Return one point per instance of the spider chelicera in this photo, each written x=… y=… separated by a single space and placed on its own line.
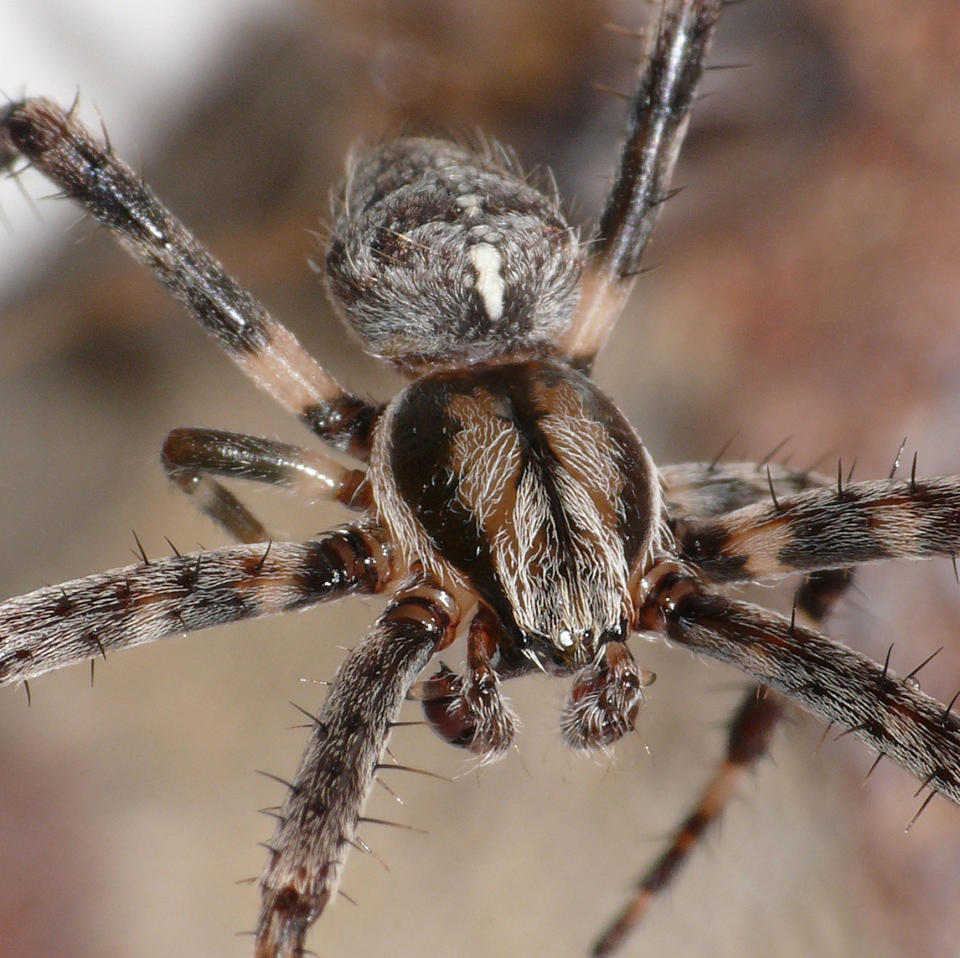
x=497 y=393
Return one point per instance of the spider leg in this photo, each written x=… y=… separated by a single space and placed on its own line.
x=749 y=734
x=655 y=128
x=192 y=456
x=748 y=738
x=886 y=711
x=88 y=172
x=322 y=810
x=827 y=529
x=64 y=624
x=701 y=489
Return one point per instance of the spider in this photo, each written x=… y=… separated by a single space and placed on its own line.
x=489 y=271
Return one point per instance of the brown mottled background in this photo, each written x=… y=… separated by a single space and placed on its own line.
x=807 y=286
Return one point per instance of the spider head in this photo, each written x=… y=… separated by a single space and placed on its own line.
x=444 y=257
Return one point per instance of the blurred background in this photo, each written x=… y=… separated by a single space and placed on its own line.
x=806 y=286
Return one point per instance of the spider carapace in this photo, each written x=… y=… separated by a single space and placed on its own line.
x=501 y=494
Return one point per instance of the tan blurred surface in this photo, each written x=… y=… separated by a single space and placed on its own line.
x=807 y=286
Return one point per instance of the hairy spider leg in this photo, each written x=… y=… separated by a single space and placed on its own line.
x=318 y=820
x=61 y=625
x=88 y=171
x=749 y=734
x=827 y=528
x=655 y=129
x=191 y=457
x=702 y=490
x=886 y=711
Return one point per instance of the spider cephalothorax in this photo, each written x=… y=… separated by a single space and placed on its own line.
x=534 y=491
x=501 y=494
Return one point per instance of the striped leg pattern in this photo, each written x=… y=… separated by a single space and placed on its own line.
x=749 y=735
x=61 y=625
x=191 y=457
x=886 y=711
x=88 y=172
x=655 y=129
x=830 y=528
x=319 y=818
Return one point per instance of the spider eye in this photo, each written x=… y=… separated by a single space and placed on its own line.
x=448 y=256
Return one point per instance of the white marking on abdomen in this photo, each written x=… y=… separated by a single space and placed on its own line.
x=491 y=285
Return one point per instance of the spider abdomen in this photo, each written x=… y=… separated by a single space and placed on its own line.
x=532 y=488
x=444 y=255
